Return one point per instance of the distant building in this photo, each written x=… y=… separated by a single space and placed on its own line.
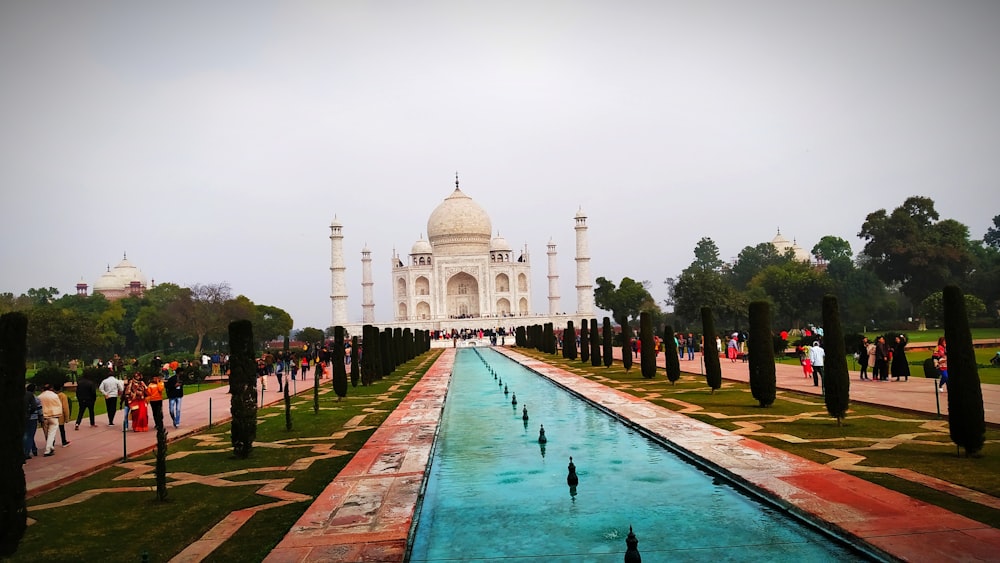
x=124 y=280
x=783 y=245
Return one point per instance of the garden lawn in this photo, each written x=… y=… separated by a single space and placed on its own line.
x=113 y=515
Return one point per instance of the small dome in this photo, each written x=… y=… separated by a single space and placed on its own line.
x=780 y=242
x=499 y=244
x=421 y=247
x=459 y=226
x=120 y=277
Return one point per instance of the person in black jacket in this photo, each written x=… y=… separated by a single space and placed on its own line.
x=175 y=392
x=86 y=396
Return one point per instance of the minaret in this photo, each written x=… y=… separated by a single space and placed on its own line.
x=367 y=298
x=338 y=285
x=553 y=280
x=584 y=285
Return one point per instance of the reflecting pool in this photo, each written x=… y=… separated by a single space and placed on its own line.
x=495 y=494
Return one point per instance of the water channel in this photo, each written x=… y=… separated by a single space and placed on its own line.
x=495 y=494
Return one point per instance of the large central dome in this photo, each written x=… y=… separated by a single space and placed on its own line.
x=459 y=226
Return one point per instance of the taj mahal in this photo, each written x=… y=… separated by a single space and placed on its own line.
x=462 y=275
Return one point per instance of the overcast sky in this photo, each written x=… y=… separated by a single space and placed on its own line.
x=216 y=141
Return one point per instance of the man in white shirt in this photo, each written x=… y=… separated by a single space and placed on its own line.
x=51 y=411
x=816 y=354
x=111 y=388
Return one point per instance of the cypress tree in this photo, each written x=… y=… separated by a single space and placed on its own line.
x=243 y=382
x=385 y=351
x=606 y=334
x=288 y=409
x=966 y=415
x=626 y=346
x=569 y=341
x=713 y=371
x=584 y=341
x=760 y=354
x=13 y=362
x=519 y=337
x=355 y=368
x=407 y=345
x=367 y=369
x=647 y=348
x=397 y=348
x=339 y=370
x=548 y=339
x=595 y=344
x=670 y=349
x=836 y=379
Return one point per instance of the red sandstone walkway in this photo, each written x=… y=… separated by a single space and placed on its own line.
x=97 y=447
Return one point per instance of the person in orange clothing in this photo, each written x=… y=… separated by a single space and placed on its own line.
x=135 y=397
x=155 y=392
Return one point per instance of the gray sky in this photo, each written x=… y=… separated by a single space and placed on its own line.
x=215 y=141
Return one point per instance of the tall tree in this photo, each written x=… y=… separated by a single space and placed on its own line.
x=569 y=341
x=647 y=348
x=751 y=261
x=795 y=288
x=702 y=284
x=830 y=247
x=760 y=354
x=966 y=415
x=710 y=352
x=13 y=359
x=243 y=387
x=355 y=368
x=626 y=347
x=913 y=248
x=836 y=379
x=626 y=301
x=584 y=341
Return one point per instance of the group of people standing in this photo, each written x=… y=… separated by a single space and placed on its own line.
x=51 y=410
x=885 y=359
x=138 y=398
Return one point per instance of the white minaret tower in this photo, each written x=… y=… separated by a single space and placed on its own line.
x=367 y=297
x=553 y=280
x=338 y=285
x=584 y=285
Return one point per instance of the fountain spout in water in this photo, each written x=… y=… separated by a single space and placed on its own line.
x=632 y=551
x=541 y=435
x=572 y=479
x=524 y=413
x=513 y=401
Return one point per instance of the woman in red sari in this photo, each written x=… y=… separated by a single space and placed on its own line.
x=135 y=394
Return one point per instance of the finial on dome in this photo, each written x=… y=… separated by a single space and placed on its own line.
x=456 y=179
x=124 y=255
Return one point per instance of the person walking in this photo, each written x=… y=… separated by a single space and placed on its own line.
x=940 y=357
x=51 y=413
x=175 y=393
x=863 y=357
x=732 y=349
x=817 y=355
x=690 y=345
x=64 y=417
x=86 y=397
x=33 y=410
x=155 y=392
x=135 y=398
x=111 y=388
x=900 y=367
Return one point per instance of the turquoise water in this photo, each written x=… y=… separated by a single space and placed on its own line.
x=495 y=494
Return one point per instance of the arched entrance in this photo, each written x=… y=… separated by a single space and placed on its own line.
x=462 y=297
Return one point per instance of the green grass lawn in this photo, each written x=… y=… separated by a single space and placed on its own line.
x=128 y=525
x=799 y=424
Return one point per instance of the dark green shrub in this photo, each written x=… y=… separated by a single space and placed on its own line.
x=52 y=375
x=337 y=357
x=647 y=346
x=243 y=387
x=569 y=341
x=672 y=359
x=760 y=355
x=626 y=347
x=595 y=344
x=355 y=368
x=966 y=415
x=13 y=359
x=836 y=379
x=607 y=334
x=584 y=341
x=713 y=371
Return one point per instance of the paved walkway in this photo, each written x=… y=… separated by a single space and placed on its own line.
x=95 y=447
